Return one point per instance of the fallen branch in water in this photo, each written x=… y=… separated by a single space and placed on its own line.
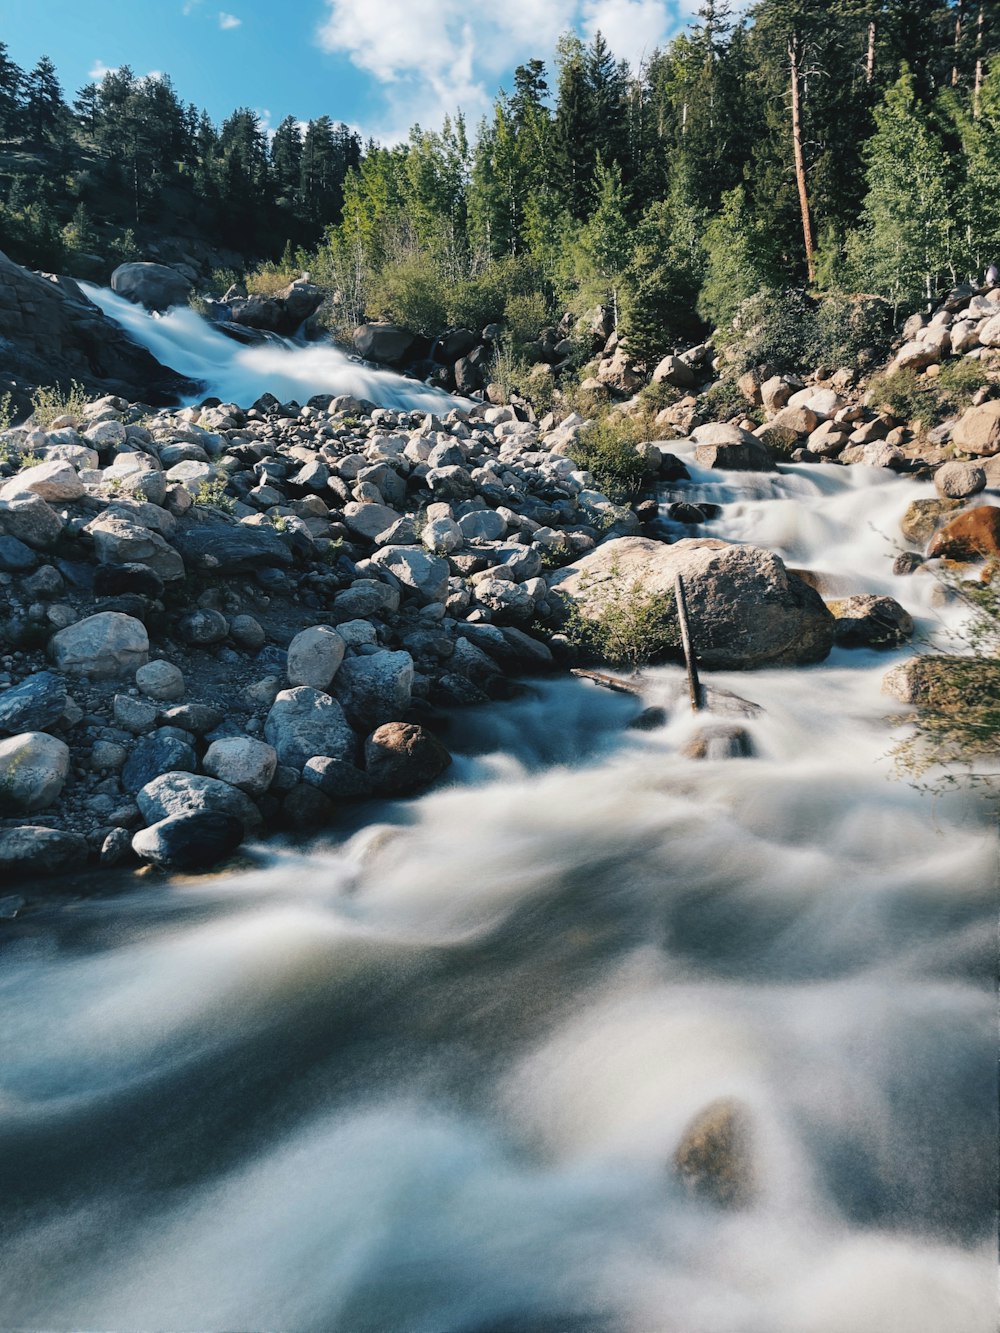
x=608 y=682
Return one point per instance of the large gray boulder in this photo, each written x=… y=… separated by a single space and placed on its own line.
x=103 y=646
x=119 y=542
x=375 y=688
x=38 y=702
x=283 y=313
x=154 y=286
x=186 y=793
x=304 y=722
x=426 y=574
x=33 y=769
x=314 y=656
x=223 y=545
x=745 y=608
x=32 y=850
x=385 y=343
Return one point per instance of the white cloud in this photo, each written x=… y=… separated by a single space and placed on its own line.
x=189 y=7
x=432 y=56
x=98 y=70
x=228 y=21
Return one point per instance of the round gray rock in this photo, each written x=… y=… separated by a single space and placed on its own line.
x=314 y=656
x=33 y=770
x=304 y=722
x=242 y=762
x=103 y=646
x=161 y=680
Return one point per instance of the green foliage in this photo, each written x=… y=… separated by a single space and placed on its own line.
x=848 y=328
x=607 y=449
x=739 y=260
x=411 y=293
x=213 y=495
x=49 y=402
x=6 y=411
x=774 y=328
x=525 y=316
x=723 y=400
x=625 y=625
x=910 y=397
x=268 y=279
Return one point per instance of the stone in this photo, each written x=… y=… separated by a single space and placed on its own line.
x=37 y=703
x=336 y=778
x=402 y=757
x=222 y=545
x=426 y=574
x=155 y=754
x=916 y=356
x=161 y=680
x=103 y=646
x=974 y=534
x=304 y=722
x=714 y=1158
x=869 y=621
x=718 y=740
x=33 y=850
x=119 y=542
x=15 y=556
x=31 y=520
x=506 y=601
x=199 y=719
x=957 y=481
x=187 y=842
x=366 y=598
x=989 y=332
x=314 y=656
x=125 y=580
x=116 y=849
x=242 y=762
x=203 y=627
x=978 y=430
x=186 y=793
x=923 y=517
x=368 y=520
x=801 y=419
x=441 y=535
x=136 y=715
x=672 y=370
x=247 y=632
x=374 y=688
x=154 y=286
x=54 y=480
x=385 y=343
x=34 y=767
x=745 y=608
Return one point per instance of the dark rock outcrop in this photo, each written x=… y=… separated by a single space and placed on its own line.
x=154 y=286
x=53 y=333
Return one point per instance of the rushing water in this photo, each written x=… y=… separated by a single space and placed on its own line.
x=429 y=1077
x=181 y=339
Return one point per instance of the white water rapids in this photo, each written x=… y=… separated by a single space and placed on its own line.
x=429 y=1077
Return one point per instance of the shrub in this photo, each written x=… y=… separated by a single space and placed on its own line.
x=606 y=448
x=723 y=400
x=6 y=411
x=629 y=627
x=213 y=494
x=411 y=293
x=524 y=316
x=849 y=328
x=268 y=279
x=908 y=396
x=776 y=328
x=49 y=402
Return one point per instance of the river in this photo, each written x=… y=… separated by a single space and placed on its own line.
x=428 y=1076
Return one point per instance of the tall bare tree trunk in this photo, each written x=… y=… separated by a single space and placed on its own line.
x=978 y=86
x=870 y=62
x=957 y=44
x=800 y=161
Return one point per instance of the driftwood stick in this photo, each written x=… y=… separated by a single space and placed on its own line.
x=694 y=685
x=609 y=682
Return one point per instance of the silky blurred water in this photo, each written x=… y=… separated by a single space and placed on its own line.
x=428 y=1077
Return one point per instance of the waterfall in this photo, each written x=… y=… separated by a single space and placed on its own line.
x=236 y=373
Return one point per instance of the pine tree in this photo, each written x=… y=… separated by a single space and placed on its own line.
x=44 y=108
x=11 y=84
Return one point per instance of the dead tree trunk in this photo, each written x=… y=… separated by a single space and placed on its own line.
x=870 y=61
x=800 y=161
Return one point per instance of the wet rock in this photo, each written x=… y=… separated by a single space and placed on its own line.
x=305 y=808
x=973 y=534
x=33 y=770
x=38 y=702
x=714 y=1158
x=924 y=517
x=337 y=779
x=304 y=722
x=401 y=757
x=242 y=762
x=374 y=688
x=385 y=343
x=32 y=850
x=868 y=621
x=650 y=719
x=194 y=841
x=154 y=286
x=161 y=680
x=718 y=740
x=314 y=656
x=104 y=646
x=189 y=793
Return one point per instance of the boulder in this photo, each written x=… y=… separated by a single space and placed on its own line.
x=365 y=598
x=33 y=770
x=29 y=519
x=714 y=1158
x=283 y=313
x=37 y=703
x=426 y=574
x=32 y=850
x=223 y=545
x=973 y=534
x=242 y=762
x=53 y=480
x=869 y=621
x=193 y=841
x=161 y=680
x=978 y=430
x=368 y=520
x=159 y=752
x=745 y=608
x=923 y=518
x=104 y=646
x=187 y=793
x=402 y=757
x=989 y=332
x=337 y=779
x=730 y=448
x=154 y=286
x=374 y=688
x=386 y=343
x=304 y=722
x=119 y=542
x=957 y=481
x=672 y=370
x=314 y=656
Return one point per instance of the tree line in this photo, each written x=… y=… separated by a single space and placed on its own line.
x=848 y=145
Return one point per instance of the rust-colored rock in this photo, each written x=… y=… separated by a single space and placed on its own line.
x=714 y=1158
x=401 y=757
x=972 y=535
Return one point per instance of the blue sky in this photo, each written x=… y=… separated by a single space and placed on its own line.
x=380 y=65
